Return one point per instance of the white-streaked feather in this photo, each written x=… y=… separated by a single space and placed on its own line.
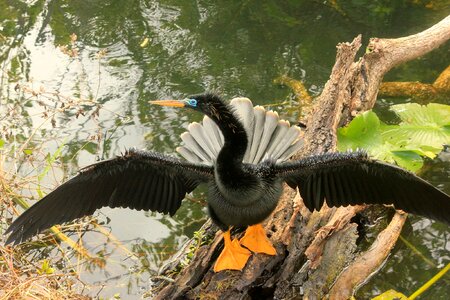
x=269 y=137
x=280 y=131
x=260 y=116
x=198 y=133
x=243 y=108
x=188 y=154
x=286 y=141
x=291 y=150
x=191 y=144
x=270 y=124
x=213 y=133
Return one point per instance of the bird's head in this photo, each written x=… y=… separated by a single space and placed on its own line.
x=215 y=108
x=205 y=103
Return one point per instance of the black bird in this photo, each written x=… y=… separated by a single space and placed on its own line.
x=241 y=156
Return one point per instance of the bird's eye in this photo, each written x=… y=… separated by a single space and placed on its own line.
x=192 y=102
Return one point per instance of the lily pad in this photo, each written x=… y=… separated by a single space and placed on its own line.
x=423 y=132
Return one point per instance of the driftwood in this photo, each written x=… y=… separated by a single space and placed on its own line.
x=421 y=92
x=313 y=248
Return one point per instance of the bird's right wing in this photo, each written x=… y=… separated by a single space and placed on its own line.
x=353 y=178
x=138 y=180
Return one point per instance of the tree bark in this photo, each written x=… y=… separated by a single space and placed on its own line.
x=312 y=248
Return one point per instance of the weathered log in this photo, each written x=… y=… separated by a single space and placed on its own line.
x=421 y=92
x=310 y=257
x=362 y=267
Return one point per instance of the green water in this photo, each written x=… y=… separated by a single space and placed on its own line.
x=170 y=49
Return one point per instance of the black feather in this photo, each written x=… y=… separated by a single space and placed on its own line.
x=353 y=178
x=130 y=181
x=240 y=194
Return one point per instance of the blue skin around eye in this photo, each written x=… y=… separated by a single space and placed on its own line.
x=192 y=102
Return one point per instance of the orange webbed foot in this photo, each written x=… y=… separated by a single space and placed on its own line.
x=256 y=240
x=233 y=256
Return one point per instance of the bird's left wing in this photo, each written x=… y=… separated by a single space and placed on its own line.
x=353 y=178
x=137 y=179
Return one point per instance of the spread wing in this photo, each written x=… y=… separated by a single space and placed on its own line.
x=138 y=180
x=352 y=178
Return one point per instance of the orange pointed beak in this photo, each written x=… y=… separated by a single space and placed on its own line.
x=173 y=103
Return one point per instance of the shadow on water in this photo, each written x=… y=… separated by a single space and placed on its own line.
x=128 y=52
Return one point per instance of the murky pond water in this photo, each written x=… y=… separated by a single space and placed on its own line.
x=128 y=52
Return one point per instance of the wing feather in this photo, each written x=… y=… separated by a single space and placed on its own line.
x=350 y=190
x=318 y=191
x=152 y=205
x=353 y=178
x=330 y=190
x=141 y=195
x=138 y=180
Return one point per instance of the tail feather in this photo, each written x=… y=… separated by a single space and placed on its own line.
x=213 y=133
x=296 y=146
x=191 y=144
x=198 y=133
x=188 y=154
x=287 y=140
x=243 y=107
x=270 y=125
x=280 y=131
x=260 y=116
x=268 y=136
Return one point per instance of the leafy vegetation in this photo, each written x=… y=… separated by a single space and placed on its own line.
x=422 y=132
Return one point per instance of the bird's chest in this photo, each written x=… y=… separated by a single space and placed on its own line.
x=230 y=177
x=243 y=205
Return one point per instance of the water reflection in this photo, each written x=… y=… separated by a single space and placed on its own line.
x=235 y=48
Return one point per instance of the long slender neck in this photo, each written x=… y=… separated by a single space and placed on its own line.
x=233 y=132
x=231 y=178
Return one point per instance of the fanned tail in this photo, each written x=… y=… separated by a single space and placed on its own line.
x=268 y=136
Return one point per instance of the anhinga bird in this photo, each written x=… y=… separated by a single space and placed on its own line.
x=241 y=153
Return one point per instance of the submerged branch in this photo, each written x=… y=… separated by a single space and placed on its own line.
x=300 y=92
x=422 y=92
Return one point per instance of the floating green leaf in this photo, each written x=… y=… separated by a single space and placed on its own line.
x=433 y=114
x=362 y=132
x=423 y=132
x=408 y=159
x=425 y=127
